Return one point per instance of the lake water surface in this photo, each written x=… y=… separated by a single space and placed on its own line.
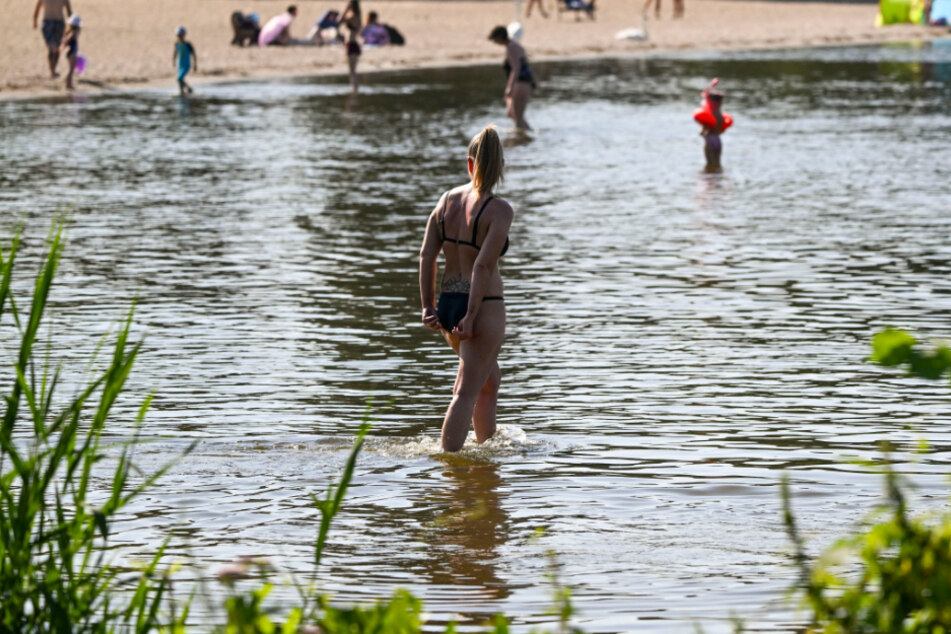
x=677 y=340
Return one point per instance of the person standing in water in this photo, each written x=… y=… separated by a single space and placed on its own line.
x=182 y=57
x=70 y=46
x=713 y=123
x=470 y=226
x=520 y=82
x=353 y=20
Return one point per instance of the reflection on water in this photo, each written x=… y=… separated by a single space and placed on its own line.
x=677 y=339
x=467 y=527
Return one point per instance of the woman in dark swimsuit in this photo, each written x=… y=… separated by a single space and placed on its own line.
x=352 y=18
x=470 y=226
x=520 y=82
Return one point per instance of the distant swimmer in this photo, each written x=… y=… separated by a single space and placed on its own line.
x=55 y=13
x=520 y=82
x=470 y=226
x=714 y=123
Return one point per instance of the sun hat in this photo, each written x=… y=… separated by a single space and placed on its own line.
x=180 y=31
x=75 y=21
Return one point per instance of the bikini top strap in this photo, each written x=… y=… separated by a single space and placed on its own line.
x=475 y=226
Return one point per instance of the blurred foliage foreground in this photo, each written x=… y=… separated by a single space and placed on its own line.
x=57 y=568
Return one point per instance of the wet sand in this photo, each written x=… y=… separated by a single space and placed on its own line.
x=128 y=43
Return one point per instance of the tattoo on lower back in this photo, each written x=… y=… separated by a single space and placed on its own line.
x=455 y=285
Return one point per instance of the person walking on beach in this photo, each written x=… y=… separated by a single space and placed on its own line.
x=470 y=226
x=70 y=46
x=182 y=57
x=55 y=13
x=520 y=82
x=678 y=8
x=352 y=18
x=532 y=3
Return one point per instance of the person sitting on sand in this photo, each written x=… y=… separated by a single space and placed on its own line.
x=329 y=20
x=374 y=33
x=277 y=31
x=520 y=82
x=55 y=13
x=470 y=226
x=182 y=56
x=70 y=46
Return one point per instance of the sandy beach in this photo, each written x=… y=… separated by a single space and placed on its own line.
x=128 y=43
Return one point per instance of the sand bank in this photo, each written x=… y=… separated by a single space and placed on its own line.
x=128 y=43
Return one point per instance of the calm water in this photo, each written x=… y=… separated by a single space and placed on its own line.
x=676 y=340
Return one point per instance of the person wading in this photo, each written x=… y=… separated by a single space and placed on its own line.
x=470 y=226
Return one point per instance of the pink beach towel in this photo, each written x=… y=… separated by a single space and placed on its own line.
x=274 y=27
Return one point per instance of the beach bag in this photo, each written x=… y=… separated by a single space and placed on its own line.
x=396 y=38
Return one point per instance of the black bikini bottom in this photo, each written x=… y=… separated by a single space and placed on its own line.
x=452 y=307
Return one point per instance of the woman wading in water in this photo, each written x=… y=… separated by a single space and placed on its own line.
x=470 y=226
x=519 y=80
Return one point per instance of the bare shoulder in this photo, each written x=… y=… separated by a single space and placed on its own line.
x=501 y=209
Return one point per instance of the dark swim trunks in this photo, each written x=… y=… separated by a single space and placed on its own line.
x=353 y=49
x=53 y=32
x=452 y=307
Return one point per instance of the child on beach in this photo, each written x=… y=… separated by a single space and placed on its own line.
x=70 y=46
x=182 y=57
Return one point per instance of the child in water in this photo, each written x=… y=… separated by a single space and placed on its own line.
x=183 y=56
x=714 y=122
x=70 y=46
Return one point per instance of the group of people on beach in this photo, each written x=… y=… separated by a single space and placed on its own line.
x=61 y=28
x=277 y=32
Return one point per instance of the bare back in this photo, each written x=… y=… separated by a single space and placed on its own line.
x=466 y=222
x=55 y=9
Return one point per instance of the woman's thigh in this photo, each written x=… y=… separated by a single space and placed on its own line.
x=479 y=353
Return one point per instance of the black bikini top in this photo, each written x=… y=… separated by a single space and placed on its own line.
x=475 y=228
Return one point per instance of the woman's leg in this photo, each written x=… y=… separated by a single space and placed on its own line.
x=352 y=62
x=477 y=361
x=520 y=96
x=483 y=416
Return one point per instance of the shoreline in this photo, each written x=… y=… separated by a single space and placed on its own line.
x=713 y=26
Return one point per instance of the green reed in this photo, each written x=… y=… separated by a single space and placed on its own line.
x=55 y=572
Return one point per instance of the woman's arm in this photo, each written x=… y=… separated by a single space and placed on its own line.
x=515 y=63
x=428 y=255
x=485 y=264
x=345 y=14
